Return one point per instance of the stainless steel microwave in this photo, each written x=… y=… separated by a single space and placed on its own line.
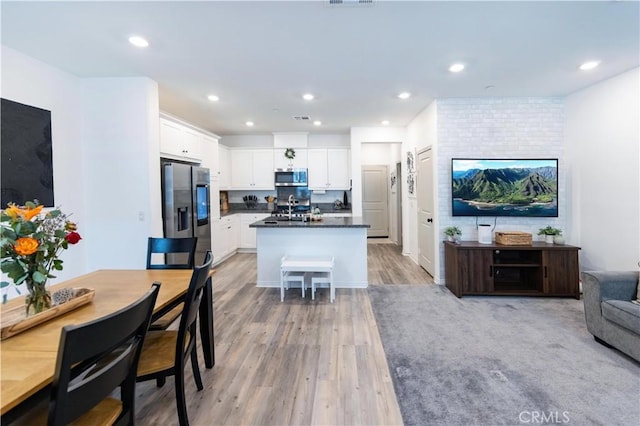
x=291 y=177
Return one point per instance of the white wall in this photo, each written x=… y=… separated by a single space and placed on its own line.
x=35 y=83
x=422 y=133
x=360 y=135
x=105 y=158
x=122 y=185
x=339 y=140
x=385 y=154
x=500 y=128
x=247 y=141
x=603 y=139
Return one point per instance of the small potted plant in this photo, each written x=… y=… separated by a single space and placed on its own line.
x=453 y=233
x=549 y=233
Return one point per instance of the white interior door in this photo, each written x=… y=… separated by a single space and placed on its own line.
x=375 y=200
x=424 y=195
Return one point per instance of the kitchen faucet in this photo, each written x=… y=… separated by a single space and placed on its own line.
x=291 y=200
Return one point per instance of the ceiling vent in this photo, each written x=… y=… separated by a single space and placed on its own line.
x=301 y=117
x=350 y=2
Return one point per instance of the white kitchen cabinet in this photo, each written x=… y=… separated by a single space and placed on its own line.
x=329 y=169
x=282 y=162
x=179 y=142
x=224 y=175
x=217 y=232
x=252 y=169
x=225 y=237
x=247 y=234
x=214 y=201
x=209 y=151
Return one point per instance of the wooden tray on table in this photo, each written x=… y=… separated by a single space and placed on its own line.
x=14 y=320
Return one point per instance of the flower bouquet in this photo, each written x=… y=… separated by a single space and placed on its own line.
x=31 y=242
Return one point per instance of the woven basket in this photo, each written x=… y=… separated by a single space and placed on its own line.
x=513 y=238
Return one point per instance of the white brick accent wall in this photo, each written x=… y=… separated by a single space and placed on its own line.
x=498 y=128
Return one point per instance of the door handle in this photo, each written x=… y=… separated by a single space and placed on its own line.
x=429 y=220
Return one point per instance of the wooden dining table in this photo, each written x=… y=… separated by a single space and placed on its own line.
x=27 y=360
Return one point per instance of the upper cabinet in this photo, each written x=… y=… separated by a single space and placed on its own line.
x=179 y=142
x=329 y=169
x=252 y=169
x=209 y=151
x=282 y=162
x=224 y=172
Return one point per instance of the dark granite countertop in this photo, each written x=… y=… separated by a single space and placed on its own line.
x=327 y=222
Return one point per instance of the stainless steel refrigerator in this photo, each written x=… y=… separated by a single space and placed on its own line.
x=186 y=207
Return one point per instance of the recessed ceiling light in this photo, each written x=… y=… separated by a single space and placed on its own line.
x=308 y=97
x=385 y=122
x=249 y=123
x=589 y=65
x=213 y=98
x=456 y=67
x=317 y=123
x=138 y=41
x=404 y=95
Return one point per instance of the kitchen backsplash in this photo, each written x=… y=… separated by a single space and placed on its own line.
x=327 y=199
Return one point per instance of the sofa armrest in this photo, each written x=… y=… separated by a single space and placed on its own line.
x=617 y=285
x=605 y=285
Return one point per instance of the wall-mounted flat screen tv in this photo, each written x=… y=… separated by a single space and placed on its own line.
x=504 y=187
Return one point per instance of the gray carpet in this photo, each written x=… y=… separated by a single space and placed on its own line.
x=500 y=361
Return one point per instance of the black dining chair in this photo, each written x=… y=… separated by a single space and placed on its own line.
x=94 y=359
x=179 y=253
x=165 y=351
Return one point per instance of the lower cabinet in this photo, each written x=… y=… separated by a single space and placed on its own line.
x=493 y=269
x=225 y=237
x=247 y=234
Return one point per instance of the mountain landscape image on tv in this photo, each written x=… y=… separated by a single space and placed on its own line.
x=519 y=187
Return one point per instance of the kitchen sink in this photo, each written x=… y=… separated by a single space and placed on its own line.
x=285 y=219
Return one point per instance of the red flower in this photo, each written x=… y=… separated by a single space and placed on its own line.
x=73 y=237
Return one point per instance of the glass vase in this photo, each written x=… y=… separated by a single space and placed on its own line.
x=38 y=299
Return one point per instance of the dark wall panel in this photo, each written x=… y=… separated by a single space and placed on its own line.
x=27 y=163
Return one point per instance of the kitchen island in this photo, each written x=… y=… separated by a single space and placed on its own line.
x=344 y=238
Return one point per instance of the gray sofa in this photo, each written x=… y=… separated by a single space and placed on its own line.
x=611 y=316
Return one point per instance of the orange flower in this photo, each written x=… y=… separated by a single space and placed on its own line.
x=27 y=213
x=26 y=246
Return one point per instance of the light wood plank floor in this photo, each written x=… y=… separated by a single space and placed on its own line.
x=387 y=265
x=293 y=363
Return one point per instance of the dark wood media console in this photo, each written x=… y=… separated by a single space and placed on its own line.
x=540 y=269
